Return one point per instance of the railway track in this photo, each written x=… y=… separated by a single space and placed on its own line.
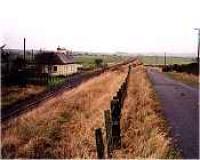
x=71 y=82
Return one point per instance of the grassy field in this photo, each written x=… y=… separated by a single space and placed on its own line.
x=189 y=79
x=89 y=60
x=158 y=60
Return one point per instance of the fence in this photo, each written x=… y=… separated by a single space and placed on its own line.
x=112 y=123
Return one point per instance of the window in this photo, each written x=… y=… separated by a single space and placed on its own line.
x=54 y=68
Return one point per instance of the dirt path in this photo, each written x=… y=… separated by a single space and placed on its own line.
x=180 y=105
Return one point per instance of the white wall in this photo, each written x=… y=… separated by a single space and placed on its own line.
x=62 y=69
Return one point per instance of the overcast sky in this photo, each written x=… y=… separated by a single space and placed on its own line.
x=102 y=25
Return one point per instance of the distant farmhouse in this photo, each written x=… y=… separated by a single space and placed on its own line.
x=59 y=63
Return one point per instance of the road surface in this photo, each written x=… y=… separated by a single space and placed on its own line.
x=180 y=106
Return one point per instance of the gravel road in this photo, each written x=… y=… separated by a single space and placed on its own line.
x=180 y=106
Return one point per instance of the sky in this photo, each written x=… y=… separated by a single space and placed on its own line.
x=134 y=26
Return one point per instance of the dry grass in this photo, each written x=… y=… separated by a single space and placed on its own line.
x=144 y=130
x=10 y=95
x=62 y=127
x=189 y=79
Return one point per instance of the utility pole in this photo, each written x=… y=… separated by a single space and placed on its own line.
x=103 y=61
x=24 y=50
x=7 y=61
x=198 y=49
x=165 y=59
x=32 y=55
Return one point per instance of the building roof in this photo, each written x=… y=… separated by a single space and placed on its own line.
x=54 y=58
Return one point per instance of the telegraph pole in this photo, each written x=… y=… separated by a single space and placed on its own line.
x=32 y=55
x=165 y=59
x=24 y=49
x=198 y=49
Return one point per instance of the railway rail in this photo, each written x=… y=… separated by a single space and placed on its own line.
x=71 y=82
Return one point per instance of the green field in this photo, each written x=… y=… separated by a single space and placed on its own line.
x=158 y=60
x=89 y=60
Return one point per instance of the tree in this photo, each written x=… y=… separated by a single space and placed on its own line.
x=99 y=62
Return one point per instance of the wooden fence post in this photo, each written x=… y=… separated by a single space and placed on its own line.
x=123 y=88
x=119 y=96
x=112 y=122
x=115 y=109
x=99 y=144
x=108 y=123
x=115 y=112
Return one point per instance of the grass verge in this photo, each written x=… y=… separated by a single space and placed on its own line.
x=144 y=128
x=186 y=78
